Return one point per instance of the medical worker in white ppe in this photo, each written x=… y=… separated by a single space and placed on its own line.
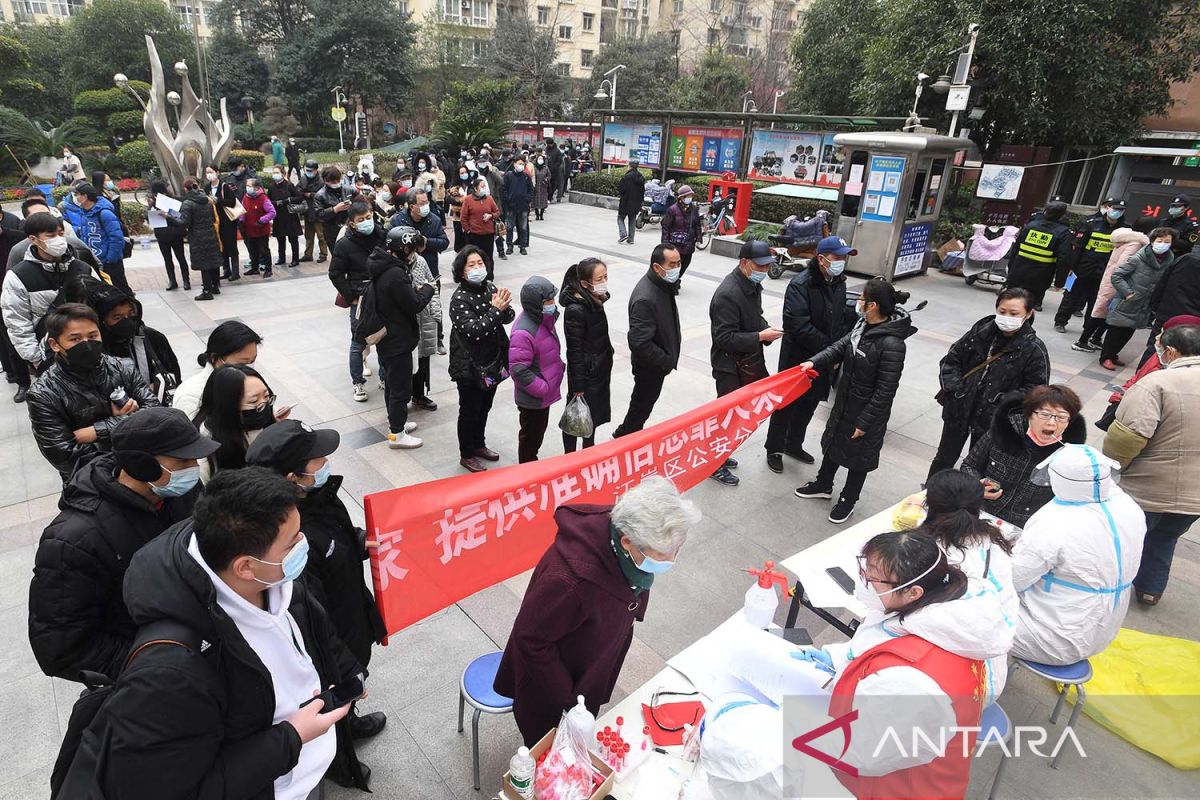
x=1074 y=565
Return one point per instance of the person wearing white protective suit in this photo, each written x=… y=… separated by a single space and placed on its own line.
x=909 y=683
x=1074 y=565
x=741 y=757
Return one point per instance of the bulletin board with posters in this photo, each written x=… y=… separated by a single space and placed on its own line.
x=795 y=157
x=713 y=150
x=884 y=177
x=622 y=140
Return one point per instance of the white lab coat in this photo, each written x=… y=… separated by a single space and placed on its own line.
x=1073 y=568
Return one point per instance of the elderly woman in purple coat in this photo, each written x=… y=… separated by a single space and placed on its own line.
x=576 y=621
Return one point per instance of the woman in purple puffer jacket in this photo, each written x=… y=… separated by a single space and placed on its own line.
x=535 y=363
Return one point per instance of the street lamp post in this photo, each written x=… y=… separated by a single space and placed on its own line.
x=913 y=119
x=973 y=29
x=612 y=87
x=775 y=105
x=339 y=98
x=748 y=102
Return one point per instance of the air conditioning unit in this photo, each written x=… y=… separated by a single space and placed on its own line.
x=466 y=4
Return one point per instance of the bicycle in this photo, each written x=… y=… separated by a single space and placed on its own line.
x=718 y=221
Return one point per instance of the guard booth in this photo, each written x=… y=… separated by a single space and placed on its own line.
x=893 y=184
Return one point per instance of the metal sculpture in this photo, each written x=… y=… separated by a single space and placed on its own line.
x=195 y=128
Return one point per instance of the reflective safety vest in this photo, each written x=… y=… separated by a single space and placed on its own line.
x=1035 y=245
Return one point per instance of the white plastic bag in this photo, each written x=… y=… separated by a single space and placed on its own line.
x=577 y=418
x=567 y=772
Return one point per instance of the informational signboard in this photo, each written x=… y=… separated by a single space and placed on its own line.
x=714 y=150
x=884 y=177
x=957 y=97
x=622 y=140
x=1000 y=181
x=338 y=113
x=795 y=157
x=910 y=255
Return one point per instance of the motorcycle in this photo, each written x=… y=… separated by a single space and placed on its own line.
x=798 y=245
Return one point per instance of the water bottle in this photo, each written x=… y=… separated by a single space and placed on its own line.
x=118 y=397
x=520 y=773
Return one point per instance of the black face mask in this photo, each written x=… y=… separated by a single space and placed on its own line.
x=82 y=358
x=256 y=420
x=124 y=330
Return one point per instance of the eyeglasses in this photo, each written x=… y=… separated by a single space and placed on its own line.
x=654 y=704
x=262 y=406
x=1046 y=416
x=862 y=573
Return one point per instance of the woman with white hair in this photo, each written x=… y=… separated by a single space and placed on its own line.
x=576 y=621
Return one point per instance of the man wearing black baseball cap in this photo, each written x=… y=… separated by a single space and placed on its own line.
x=113 y=505
x=1185 y=225
x=739 y=330
x=815 y=315
x=337 y=547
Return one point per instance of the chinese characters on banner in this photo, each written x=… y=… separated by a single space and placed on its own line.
x=444 y=540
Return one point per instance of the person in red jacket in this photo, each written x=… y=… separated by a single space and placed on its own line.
x=256 y=226
x=1152 y=364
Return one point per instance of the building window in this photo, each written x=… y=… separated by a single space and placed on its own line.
x=629 y=27
x=608 y=25
x=589 y=22
x=756 y=23
x=564 y=70
x=188 y=15
x=739 y=10
x=714 y=6
x=1082 y=182
x=451 y=11
x=678 y=7
x=543 y=16
x=36 y=7
x=564 y=32
x=675 y=40
x=608 y=3
x=714 y=37
x=585 y=58
x=479 y=13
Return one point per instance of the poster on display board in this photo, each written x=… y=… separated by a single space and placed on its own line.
x=882 y=194
x=714 y=150
x=910 y=255
x=795 y=157
x=622 y=140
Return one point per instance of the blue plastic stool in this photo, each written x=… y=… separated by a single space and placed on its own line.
x=1069 y=675
x=476 y=689
x=995 y=728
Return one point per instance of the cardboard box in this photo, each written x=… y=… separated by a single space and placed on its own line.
x=542 y=746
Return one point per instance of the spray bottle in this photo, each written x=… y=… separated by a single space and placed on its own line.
x=761 y=600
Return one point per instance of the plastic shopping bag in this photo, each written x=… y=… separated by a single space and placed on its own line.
x=577 y=418
x=565 y=771
x=909 y=512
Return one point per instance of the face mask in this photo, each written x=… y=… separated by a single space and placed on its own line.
x=366 y=227
x=672 y=275
x=293 y=564
x=385 y=196
x=484 y=191
x=836 y=268
x=240 y=171
x=254 y=419
x=1037 y=437
x=1175 y=211
x=1009 y=324
x=278 y=176
x=477 y=275
x=874 y=600
x=252 y=192
x=1161 y=352
x=518 y=167
x=311 y=173
x=687 y=201
x=83 y=357
x=858 y=309
x=600 y=288
x=319 y=477
x=54 y=247
x=1115 y=213
x=653 y=566
x=180 y=482
x=549 y=311
x=212 y=177
x=110 y=185
x=462 y=176
x=756 y=276
x=399 y=165
x=124 y=330
x=423 y=210
x=421 y=167
x=540 y=162
x=1160 y=247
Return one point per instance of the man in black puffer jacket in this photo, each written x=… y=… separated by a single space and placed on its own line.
x=70 y=405
x=111 y=508
x=349 y=274
x=220 y=715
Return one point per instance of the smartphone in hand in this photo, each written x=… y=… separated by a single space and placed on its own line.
x=339 y=695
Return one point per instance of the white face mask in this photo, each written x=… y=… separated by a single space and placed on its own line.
x=477 y=274
x=1160 y=247
x=1009 y=324
x=874 y=600
x=277 y=176
x=600 y=288
x=54 y=247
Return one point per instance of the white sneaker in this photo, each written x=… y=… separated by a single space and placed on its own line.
x=360 y=393
x=409 y=427
x=403 y=441
x=366 y=370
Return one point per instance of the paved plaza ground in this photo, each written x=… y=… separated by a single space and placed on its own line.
x=415 y=679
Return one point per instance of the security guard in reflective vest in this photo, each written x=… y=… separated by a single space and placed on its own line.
x=1183 y=221
x=1093 y=246
x=1043 y=244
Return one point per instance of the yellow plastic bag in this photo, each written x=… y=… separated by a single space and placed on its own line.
x=1146 y=689
x=909 y=512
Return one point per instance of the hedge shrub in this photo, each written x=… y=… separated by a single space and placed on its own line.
x=316 y=144
x=136 y=157
x=253 y=158
x=125 y=121
x=58 y=193
x=133 y=217
x=102 y=102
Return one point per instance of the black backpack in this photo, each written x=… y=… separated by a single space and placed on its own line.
x=369 y=327
x=81 y=756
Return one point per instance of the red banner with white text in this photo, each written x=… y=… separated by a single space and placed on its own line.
x=444 y=540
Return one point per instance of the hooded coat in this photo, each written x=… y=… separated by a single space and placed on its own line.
x=632 y=191
x=77 y=615
x=1074 y=565
x=589 y=352
x=871 y=359
x=431 y=315
x=971 y=403
x=148 y=350
x=397 y=301
x=281 y=194
x=196 y=214
x=542 y=180
x=185 y=724
x=575 y=625
x=534 y=352
x=1125 y=242
x=1137 y=276
x=1008 y=456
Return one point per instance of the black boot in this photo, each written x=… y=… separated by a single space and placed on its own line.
x=366 y=725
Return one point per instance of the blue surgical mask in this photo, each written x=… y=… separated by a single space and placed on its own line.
x=319 y=477
x=1175 y=211
x=757 y=277
x=477 y=275
x=366 y=227
x=858 y=309
x=672 y=275
x=424 y=210
x=1160 y=247
x=180 y=482
x=1115 y=213
x=836 y=268
x=549 y=311
x=653 y=566
x=293 y=563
